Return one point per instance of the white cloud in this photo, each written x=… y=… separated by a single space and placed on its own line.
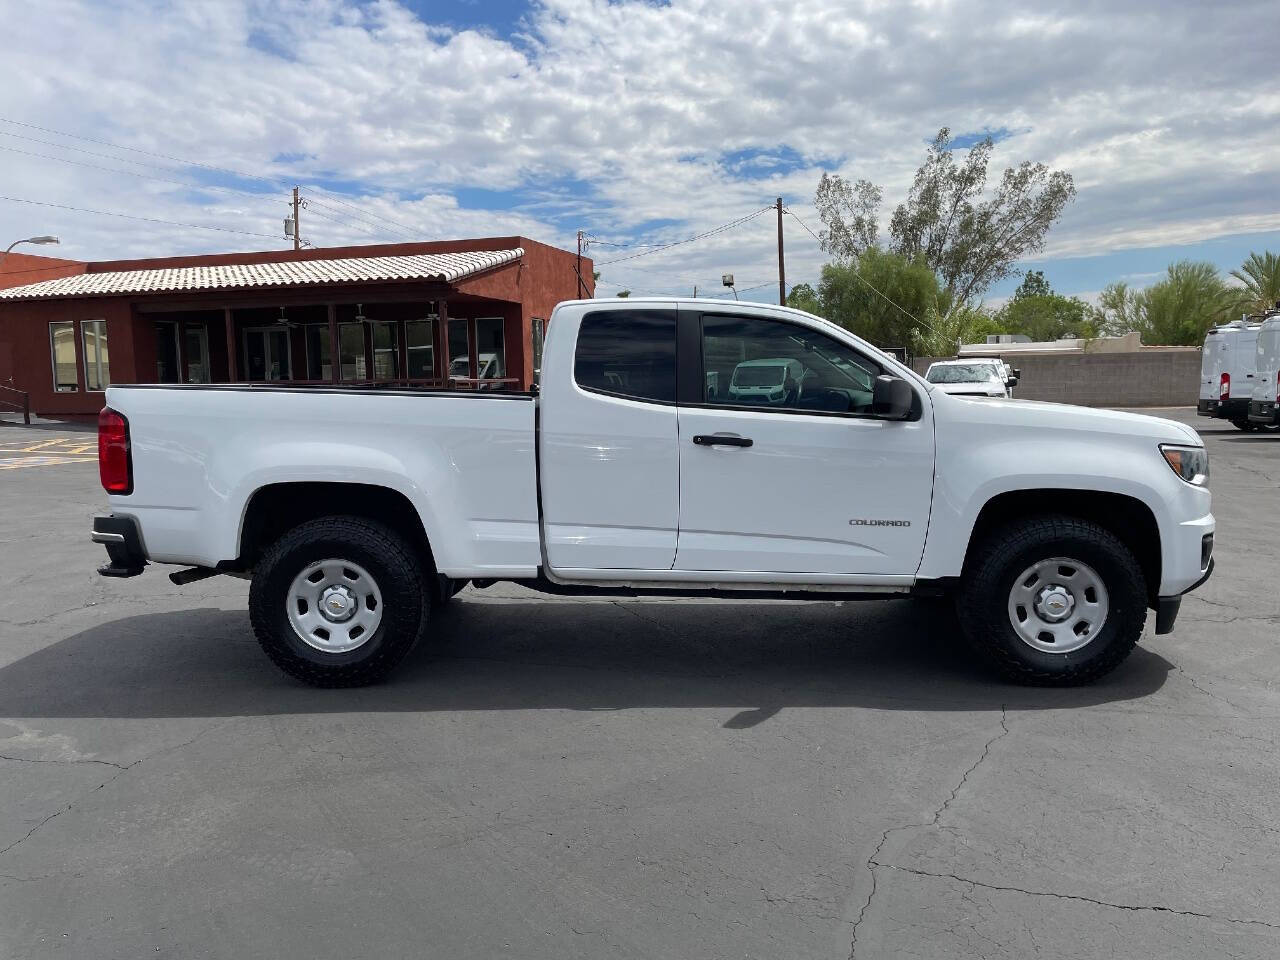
x=611 y=115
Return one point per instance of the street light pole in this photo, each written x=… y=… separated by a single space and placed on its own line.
x=35 y=240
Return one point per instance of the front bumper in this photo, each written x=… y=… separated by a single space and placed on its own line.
x=1167 y=607
x=123 y=540
x=1264 y=411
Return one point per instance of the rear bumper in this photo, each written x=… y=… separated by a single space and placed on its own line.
x=1233 y=409
x=1264 y=411
x=123 y=540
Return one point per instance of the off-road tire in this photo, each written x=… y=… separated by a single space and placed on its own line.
x=1246 y=425
x=394 y=565
x=990 y=571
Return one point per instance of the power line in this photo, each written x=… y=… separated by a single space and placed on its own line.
x=369 y=213
x=868 y=283
x=363 y=221
x=165 y=156
x=129 y=216
x=701 y=236
x=145 y=153
x=134 y=173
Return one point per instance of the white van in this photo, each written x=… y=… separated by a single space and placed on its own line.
x=1263 y=408
x=1227 y=371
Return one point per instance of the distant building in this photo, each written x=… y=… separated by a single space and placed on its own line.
x=457 y=314
x=1006 y=345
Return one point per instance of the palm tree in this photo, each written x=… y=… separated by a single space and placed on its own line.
x=1260 y=275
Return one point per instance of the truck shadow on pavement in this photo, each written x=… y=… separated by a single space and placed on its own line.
x=513 y=654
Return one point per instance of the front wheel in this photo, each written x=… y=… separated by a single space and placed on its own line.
x=1053 y=600
x=339 y=601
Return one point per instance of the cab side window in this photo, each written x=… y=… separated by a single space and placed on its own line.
x=754 y=362
x=628 y=353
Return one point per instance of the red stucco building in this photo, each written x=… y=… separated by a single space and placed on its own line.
x=453 y=314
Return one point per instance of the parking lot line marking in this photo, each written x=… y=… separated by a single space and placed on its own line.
x=16 y=463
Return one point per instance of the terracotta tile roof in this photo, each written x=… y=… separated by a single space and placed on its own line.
x=446 y=267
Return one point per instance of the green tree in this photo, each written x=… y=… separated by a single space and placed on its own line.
x=803 y=297
x=1036 y=311
x=1260 y=275
x=969 y=241
x=879 y=295
x=1177 y=310
x=623 y=293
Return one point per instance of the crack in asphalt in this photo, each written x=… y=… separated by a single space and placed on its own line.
x=873 y=861
x=123 y=769
x=107 y=763
x=1132 y=907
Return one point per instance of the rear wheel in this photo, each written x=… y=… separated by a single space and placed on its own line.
x=1053 y=600
x=1244 y=425
x=339 y=601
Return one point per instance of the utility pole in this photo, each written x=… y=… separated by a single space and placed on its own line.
x=579 y=270
x=297 y=231
x=782 y=269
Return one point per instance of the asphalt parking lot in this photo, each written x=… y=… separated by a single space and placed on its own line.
x=639 y=778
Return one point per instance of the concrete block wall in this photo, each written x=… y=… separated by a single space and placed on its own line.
x=1150 y=378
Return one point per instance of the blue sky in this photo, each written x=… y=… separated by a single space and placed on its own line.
x=637 y=122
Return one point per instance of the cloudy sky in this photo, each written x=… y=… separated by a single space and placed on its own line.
x=637 y=122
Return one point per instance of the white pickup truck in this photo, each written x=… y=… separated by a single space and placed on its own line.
x=636 y=471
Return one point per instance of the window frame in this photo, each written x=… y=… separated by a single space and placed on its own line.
x=690 y=374
x=100 y=337
x=53 y=357
x=627 y=396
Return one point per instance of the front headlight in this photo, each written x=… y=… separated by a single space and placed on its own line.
x=1190 y=463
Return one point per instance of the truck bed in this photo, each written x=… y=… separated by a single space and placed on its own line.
x=465 y=461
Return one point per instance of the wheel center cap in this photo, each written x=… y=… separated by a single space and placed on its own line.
x=337 y=603
x=1054 y=603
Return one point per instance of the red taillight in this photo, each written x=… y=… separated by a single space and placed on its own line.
x=115 y=466
x=1224 y=387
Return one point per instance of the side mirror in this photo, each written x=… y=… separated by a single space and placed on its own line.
x=1017 y=374
x=1011 y=382
x=891 y=398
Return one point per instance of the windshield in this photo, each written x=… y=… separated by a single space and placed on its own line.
x=758 y=376
x=961 y=373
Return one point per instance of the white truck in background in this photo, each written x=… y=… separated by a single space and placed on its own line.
x=1227 y=375
x=355 y=512
x=1264 y=406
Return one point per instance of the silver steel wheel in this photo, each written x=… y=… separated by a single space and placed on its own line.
x=334 y=606
x=1058 y=605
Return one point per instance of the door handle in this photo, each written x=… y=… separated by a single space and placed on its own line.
x=720 y=439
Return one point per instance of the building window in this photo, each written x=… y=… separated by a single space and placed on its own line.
x=491 y=353
x=539 y=336
x=630 y=353
x=62 y=350
x=420 y=343
x=386 y=351
x=459 y=356
x=351 y=347
x=316 y=338
x=97 y=373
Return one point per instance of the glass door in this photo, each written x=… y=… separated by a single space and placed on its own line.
x=197 y=345
x=266 y=354
x=167 y=369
